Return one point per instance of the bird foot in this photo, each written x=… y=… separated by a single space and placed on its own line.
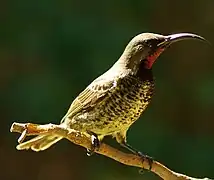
x=138 y=153
x=95 y=144
x=145 y=158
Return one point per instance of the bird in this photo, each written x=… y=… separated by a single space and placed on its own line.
x=116 y=99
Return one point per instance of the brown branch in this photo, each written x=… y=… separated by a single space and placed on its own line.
x=28 y=129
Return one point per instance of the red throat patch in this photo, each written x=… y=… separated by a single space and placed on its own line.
x=151 y=59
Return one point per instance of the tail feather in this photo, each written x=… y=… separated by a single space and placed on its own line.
x=39 y=143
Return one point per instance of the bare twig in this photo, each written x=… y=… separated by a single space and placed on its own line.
x=28 y=129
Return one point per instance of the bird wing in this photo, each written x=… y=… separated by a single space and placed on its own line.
x=91 y=96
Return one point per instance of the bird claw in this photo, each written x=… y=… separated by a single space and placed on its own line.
x=148 y=159
x=140 y=154
x=95 y=144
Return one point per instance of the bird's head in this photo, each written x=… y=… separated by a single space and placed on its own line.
x=145 y=48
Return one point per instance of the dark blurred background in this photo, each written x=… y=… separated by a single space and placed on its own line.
x=51 y=50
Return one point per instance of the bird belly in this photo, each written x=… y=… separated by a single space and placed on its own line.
x=118 y=111
x=125 y=108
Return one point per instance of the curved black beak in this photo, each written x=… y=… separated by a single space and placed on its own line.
x=181 y=36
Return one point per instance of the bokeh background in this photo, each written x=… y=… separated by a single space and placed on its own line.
x=51 y=50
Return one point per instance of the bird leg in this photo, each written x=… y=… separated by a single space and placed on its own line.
x=95 y=144
x=121 y=139
x=143 y=156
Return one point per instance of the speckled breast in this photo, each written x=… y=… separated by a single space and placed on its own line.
x=124 y=106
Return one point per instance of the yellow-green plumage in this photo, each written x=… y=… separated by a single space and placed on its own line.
x=110 y=104
x=116 y=99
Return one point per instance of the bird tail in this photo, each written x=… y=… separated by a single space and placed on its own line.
x=39 y=143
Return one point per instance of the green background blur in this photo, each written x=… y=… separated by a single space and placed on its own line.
x=50 y=51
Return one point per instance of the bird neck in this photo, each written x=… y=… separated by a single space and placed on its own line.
x=129 y=61
x=139 y=70
x=143 y=73
x=135 y=60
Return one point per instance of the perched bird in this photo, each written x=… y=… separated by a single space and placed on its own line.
x=117 y=98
